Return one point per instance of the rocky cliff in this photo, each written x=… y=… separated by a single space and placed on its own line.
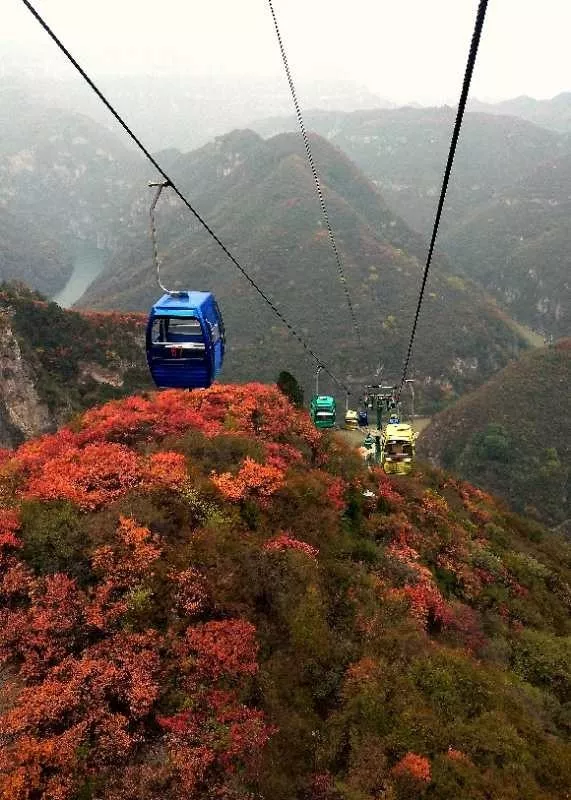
x=54 y=363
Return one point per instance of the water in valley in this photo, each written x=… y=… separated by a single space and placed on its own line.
x=87 y=264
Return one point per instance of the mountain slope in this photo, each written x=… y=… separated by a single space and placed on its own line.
x=512 y=436
x=27 y=254
x=259 y=197
x=198 y=602
x=517 y=247
x=404 y=152
x=554 y=113
x=55 y=363
x=64 y=177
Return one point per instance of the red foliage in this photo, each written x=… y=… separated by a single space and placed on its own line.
x=48 y=630
x=94 y=702
x=227 y=648
x=281 y=456
x=335 y=494
x=252 y=409
x=121 y=567
x=32 y=455
x=91 y=477
x=165 y=470
x=214 y=740
x=286 y=542
x=253 y=481
x=413 y=766
x=426 y=602
x=387 y=492
x=9 y=524
x=132 y=559
x=5 y=454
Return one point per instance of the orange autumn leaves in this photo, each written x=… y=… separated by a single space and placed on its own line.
x=98 y=460
x=253 y=480
x=91 y=688
x=100 y=473
x=130 y=655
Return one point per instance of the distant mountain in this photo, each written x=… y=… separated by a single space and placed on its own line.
x=518 y=246
x=56 y=363
x=64 y=181
x=259 y=197
x=31 y=254
x=512 y=436
x=185 y=111
x=404 y=152
x=506 y=219
x=554 y=113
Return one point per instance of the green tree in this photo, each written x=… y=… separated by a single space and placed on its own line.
x=289 y=386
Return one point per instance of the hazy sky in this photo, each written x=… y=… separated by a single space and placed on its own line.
x=404 y=50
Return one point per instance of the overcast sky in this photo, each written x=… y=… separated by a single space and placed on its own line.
x=404 y=50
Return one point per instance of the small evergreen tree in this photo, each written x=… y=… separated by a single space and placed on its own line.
x=289 y=386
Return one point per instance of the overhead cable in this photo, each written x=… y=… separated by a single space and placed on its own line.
x=182 y=197
x=479 y=24
x=317 y=182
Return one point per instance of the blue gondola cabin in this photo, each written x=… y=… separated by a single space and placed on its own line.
x=185 y=340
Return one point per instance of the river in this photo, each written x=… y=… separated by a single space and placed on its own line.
x=87 y=264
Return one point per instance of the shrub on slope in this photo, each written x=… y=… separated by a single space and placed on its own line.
x=512 y=436
x=198 y=601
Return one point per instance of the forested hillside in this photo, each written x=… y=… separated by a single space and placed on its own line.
x=30 y=254
x=404 y=152
x=64 y=181
x=505 y=224
x=259 y=197
x=198 y=601
x=554 y=113
x=513 y=435
x=55 y=363
x=517 y=247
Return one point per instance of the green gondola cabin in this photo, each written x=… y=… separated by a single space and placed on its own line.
x=322 y=411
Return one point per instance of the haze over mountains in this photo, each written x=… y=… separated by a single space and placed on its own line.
x=554 y=113
x=507 y=205
x=186 y=112
x=80 y=183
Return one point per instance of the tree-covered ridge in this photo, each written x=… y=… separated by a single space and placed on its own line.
x=76 y=359
x=200 y=601
x=517 y=246
x=512 y=436
x=260 y=198
x=404 y=151
x=505 y=224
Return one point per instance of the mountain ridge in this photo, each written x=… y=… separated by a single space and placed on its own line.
x=260 y=199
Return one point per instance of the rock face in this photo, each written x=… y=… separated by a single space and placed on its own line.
x=54 y=363
x=22 y=413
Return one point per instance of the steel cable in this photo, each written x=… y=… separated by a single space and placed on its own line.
x=479 y=24
x=317 y=182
